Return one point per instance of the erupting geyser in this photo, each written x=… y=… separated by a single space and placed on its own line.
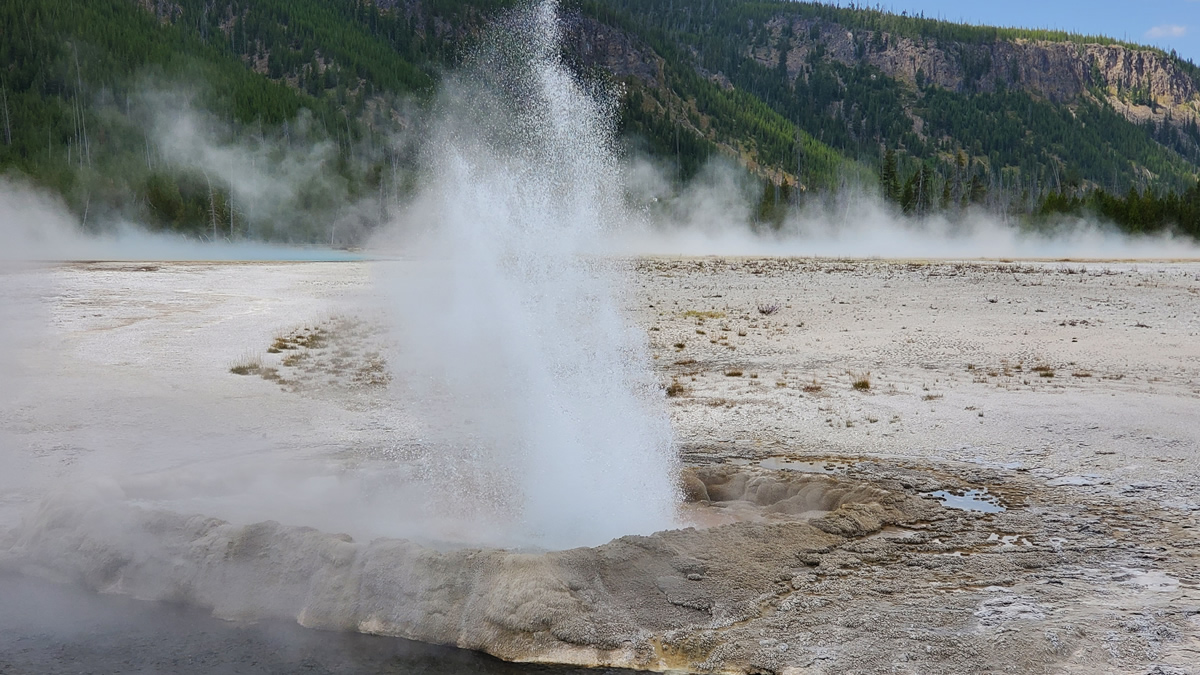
x=540 y=405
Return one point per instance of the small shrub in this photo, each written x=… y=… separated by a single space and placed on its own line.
x=248 y=366
x=768 y=309
x=703 y=314
x=733 y=373
x=862 y=382
x=676 y=389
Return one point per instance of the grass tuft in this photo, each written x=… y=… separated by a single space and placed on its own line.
x=676 y=389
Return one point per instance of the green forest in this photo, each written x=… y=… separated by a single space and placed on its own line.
x=280 y=77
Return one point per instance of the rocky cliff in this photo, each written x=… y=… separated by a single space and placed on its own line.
x=1141 y=84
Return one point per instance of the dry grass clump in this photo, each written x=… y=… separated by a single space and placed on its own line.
x=767 y=309
x=334 y=353
x=1043 y=370
x=733 y=373
x=373 y=374
x=703 y=314
x=314 y=338
x=249 y=366
x=293 y=360
x=813 y=387
x=861 y=382
x=931 y=397
x=254 y=366
x=308 y=338
x=676 y=389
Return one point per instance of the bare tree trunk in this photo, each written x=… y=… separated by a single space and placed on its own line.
x=212 y=206
x=86 y=148
x=231 y=235
x=75 y=142
x=7 y=121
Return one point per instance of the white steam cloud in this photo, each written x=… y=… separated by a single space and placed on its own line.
x=710 y=216
x=36 y=226
x=277 y=182
x=531 y=399
x=538 y=392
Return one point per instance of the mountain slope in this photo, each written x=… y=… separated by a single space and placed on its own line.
x=1028 y=103
x=804 y=95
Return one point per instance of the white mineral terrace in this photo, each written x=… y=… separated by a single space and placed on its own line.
x=1011 y=485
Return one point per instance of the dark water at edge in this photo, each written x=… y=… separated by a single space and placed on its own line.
x=52 y=629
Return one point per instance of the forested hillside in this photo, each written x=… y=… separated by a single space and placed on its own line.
x=807 y=97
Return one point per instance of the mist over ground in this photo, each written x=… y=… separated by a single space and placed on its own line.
x=471 y=395
x=512 y=174
x=517 y=174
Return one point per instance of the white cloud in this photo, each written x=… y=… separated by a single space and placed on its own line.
x=1167 y=30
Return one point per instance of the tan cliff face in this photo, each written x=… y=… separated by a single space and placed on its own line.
x=598 y=44
x=1139 y=84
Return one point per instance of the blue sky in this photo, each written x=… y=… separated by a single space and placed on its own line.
x=1170 y=24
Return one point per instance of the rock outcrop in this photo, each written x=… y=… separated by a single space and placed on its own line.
x=1141 y=84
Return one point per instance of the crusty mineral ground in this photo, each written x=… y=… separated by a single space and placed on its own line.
x=822 y=408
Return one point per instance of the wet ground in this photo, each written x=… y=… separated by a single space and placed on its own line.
x=1036 y=422
x=52 y=629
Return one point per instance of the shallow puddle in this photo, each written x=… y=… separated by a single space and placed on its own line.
x=979 y=501
x=61 y=629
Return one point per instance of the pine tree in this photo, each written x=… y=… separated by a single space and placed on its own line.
x=889 y=179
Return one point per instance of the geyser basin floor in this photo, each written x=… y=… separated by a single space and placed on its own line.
x=1092 y=575
x=54 y=629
